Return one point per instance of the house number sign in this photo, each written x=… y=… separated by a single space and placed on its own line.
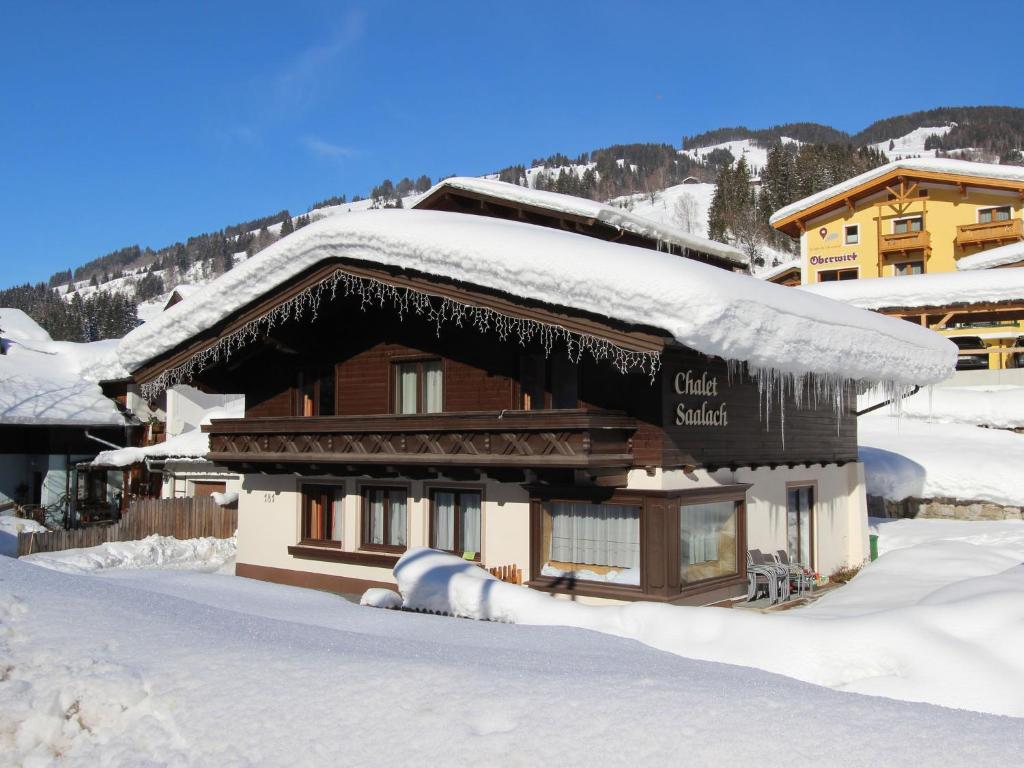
x=708 y=413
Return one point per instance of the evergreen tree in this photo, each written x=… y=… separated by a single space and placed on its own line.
x=286 y=226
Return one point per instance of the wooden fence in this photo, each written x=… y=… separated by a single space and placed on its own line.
x=189 y=518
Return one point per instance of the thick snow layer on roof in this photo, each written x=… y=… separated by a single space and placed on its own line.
x=928 y=164
x=938 y=289
x=994 y=257
x=581 y=206
x=705 y=308
x=769 y=273
x=999 y=407
x=874 y=636
x=911 y=458
x=45 y=382
x=193 y=444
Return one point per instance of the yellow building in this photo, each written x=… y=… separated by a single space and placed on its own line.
x=921 y=217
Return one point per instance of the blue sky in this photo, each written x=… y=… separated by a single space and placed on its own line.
x=144 y=123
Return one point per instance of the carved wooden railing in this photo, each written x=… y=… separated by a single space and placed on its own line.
x=905 y=241
x=514 y=439
x=991 y=232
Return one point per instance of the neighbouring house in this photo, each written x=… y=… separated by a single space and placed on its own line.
x=177 y=465
x=784 y=273
x=54 y=415
x=499 y=199
x=923 y=216
x=180 y=293
x=617 y=422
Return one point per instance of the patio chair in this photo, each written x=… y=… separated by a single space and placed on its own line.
x=798 y=574
x=762 y=574
x=778 y=573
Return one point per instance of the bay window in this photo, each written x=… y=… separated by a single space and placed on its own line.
x=708 y=542
x=592 y=542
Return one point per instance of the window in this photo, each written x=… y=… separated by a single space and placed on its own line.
x=852 y=234
x=831 y=275
x=455 y=521
x=314 y=392
x=385 y=517
x=800 y=524
x=547 y=382
x=322 y=514
x=708 y=540
x=592 y=542
x=989 y=215
x=418 y=386
x=906 y=226
x=908 y=268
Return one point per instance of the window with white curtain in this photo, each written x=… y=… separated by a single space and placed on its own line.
x=385 y=517
x=708 y=543
x=455 y=521
x=419 y=387
x=598 y=542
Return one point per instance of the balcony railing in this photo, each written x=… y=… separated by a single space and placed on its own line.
x=991 y=232
x=903 y=242
x=563 y=439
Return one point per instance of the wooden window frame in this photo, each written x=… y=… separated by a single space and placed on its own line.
x=896 y=265
x=856 y=234
x=419 y=360
x=919 y=216
x=305 y=495
x=813 y=517
x=740 y=506
x=995 y=208
x=430 y=490
x=518 y=393
x=300 y=376
x=837 y=272
x=364 y=516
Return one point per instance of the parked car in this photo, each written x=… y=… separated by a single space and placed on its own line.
x=970 y=362
x=1018 y=357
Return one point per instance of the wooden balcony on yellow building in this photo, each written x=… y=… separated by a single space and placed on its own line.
x=990 y=232
x=903 y=242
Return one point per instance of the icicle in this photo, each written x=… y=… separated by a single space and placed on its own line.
x=438 y=310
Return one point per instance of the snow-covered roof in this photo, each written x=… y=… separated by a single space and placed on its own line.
x=779 y=269
x=938 y=289
x=707 y=309
x=192 y=445
x=924 y=164
x=46 y=382
x=580 y=206
x=182 y=291
x=994 y=257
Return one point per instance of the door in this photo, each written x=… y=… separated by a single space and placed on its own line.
x=800 y=524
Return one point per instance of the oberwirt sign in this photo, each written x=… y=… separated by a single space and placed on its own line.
x=707 y=413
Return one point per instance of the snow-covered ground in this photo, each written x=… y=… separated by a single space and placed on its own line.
x=755 y=154
x=159 y=667
x=912 y=144
x=684 y=205
x=10 y=527
x=206 y=554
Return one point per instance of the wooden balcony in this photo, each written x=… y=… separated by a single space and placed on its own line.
x=992 y=232
x=564 y=439
x=905 y=242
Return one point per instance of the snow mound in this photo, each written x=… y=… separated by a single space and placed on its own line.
x=377 y=597
x=205 y=554
x=1006 y=536
x=1001 y=408
x=950 y=640
x=912 y=458
x=713 y=311
x=994 y=257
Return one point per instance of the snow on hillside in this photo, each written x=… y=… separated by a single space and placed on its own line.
x=912 y=145
x=755 y=154
x=139 y=667
x=684 y=206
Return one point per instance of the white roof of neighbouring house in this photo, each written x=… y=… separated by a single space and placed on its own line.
x=591 y=209
x=710 y=310
x=924 y=164
x=938 y=289
x=46 y=382
x=994 y=257
x=779 y=269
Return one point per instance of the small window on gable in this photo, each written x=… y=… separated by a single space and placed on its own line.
x=908 y=225
x=314 y=392
x=852 y=232
x=418 y=387
x=990 y=215
x=548 y=382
